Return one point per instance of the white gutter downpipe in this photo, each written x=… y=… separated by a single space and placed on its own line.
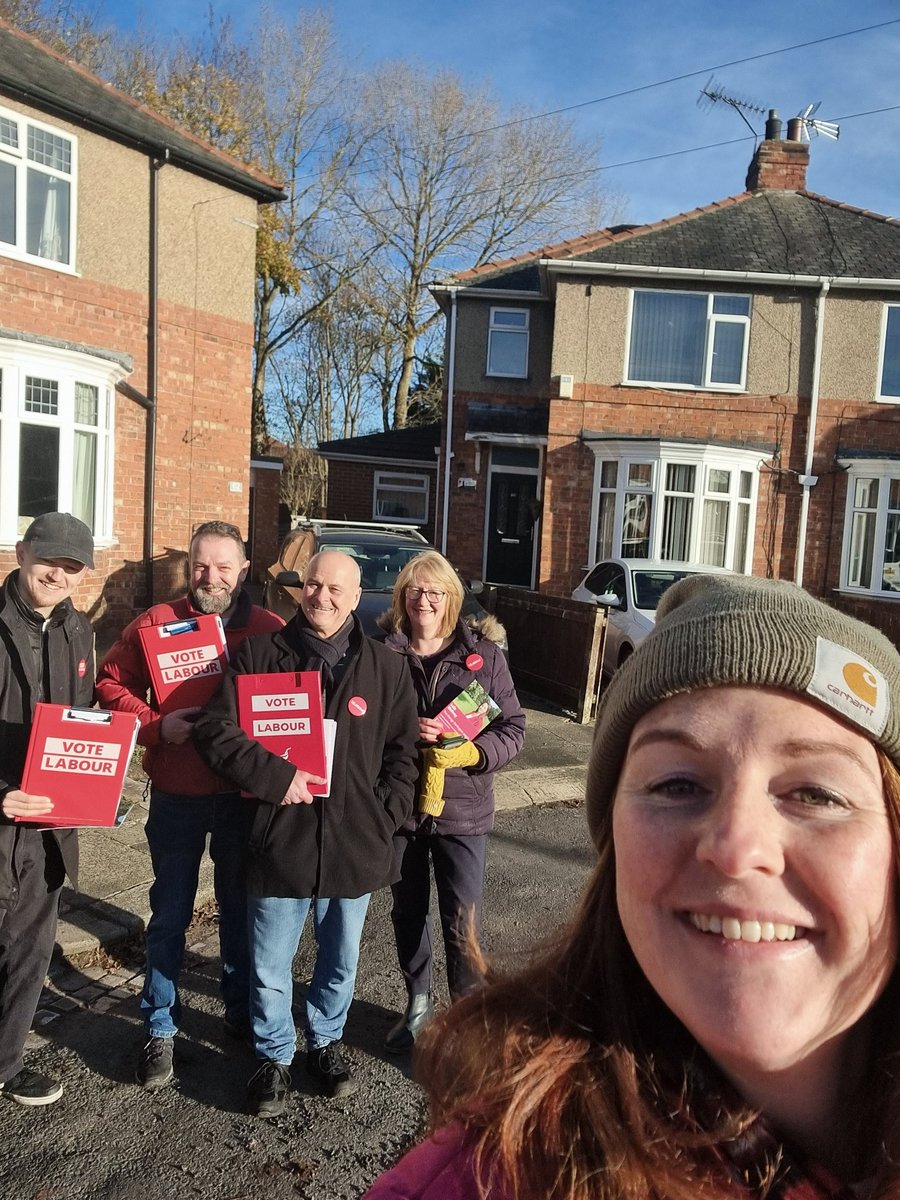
x=448 y=451
x=807 y=479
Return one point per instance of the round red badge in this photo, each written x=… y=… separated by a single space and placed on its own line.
x=82 y=668
x=474 y=662
x=357 y=707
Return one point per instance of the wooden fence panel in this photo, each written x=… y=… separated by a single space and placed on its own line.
x=555 y=646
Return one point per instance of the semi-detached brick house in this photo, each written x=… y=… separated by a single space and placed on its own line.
x=127 y=252
x=722 y=386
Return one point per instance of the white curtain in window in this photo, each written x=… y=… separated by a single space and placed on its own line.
x=676 y=533
x=84 y=477
x=713 y=532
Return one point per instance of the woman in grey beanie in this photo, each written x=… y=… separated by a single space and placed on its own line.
x=719 y=1019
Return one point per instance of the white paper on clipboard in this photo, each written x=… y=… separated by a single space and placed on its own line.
x=330 y=733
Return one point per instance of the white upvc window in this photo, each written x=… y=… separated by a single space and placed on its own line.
x=688 y=339
x=507 y=352
x=677 y=502
x=889 y=357
x=871 y=553
x=400 y=498
x=38 y=176
x=56 y=437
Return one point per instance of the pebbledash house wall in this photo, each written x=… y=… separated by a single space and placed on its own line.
x=583 y=334
x=205 y=328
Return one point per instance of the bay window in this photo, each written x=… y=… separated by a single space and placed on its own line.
x=56 y=436
x=871 y=554
x=674 y=501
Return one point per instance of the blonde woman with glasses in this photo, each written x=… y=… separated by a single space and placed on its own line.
x=448 y=834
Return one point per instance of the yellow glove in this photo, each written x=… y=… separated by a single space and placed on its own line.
x=431 y=794
x=436 y=760
x=465 y=754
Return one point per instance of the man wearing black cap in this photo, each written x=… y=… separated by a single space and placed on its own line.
x=46 y=653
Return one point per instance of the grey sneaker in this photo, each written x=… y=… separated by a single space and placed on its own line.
x=31 y=1088
x=155 y=1069
x=330 y=1069
x=268 y=1088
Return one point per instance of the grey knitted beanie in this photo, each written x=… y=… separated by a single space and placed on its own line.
x=728 y=630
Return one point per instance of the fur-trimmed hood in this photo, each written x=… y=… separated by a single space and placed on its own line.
x=484 y=625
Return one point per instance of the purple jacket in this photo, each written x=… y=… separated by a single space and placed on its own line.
x=469 y=792
x=440 y=1168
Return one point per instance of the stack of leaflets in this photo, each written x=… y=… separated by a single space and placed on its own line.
x=470 y=713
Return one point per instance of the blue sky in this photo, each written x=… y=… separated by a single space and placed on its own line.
x=550 y=54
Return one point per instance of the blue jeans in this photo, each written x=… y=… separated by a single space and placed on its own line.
x=275 y=924
x=176 y=830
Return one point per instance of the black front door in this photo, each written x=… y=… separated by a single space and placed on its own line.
x=513 y=515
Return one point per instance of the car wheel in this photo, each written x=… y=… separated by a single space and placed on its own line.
x=624 y=654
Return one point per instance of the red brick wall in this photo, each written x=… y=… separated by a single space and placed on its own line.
x=203 y=426
x=351 y=486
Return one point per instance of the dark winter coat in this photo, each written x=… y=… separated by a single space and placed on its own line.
x=340 y=845
x=123 y=682
x=68 y=679
x=469 y=791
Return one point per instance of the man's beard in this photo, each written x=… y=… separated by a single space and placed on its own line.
x=213 y=600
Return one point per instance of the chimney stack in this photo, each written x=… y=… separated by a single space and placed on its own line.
x=779 y=164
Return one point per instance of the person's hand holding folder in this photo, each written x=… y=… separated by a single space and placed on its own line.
x=298 y=792
x=25 y=806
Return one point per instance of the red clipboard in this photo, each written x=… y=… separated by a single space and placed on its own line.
x=78 y=757
x=186 y=660
x=282 y=711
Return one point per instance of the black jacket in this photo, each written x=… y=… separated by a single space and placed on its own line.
x=340 y=845
x=69 y=679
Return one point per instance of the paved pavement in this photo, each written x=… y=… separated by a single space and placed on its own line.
x=112 y=906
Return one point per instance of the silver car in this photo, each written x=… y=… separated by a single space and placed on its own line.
x=630 y=589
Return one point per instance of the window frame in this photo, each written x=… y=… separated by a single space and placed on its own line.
x=383 y=479
x=524 y=331
x=882 y=470
x=883 y=397
x=705 y=458
x=20 y=361
x=19 y=159
x=713 y=320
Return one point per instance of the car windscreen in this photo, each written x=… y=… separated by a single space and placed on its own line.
x=650 y=585
x=379 y=563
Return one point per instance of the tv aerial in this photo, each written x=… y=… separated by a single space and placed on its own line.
x=711 y=93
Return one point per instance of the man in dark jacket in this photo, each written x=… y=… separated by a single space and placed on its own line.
x=328 y=853
x=187 y=800
x=46 y=654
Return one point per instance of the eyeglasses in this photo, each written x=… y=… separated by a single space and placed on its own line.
x=413 y=593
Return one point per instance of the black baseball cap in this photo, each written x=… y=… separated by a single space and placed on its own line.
x=60 y=535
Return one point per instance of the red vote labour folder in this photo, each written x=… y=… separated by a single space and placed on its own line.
x=78 y=757
x=186 y=660
x=282 y=711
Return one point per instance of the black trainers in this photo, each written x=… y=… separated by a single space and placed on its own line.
x=155 y=1069
x=329 y=1068
x=267 y=1090
x=31 y=1088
